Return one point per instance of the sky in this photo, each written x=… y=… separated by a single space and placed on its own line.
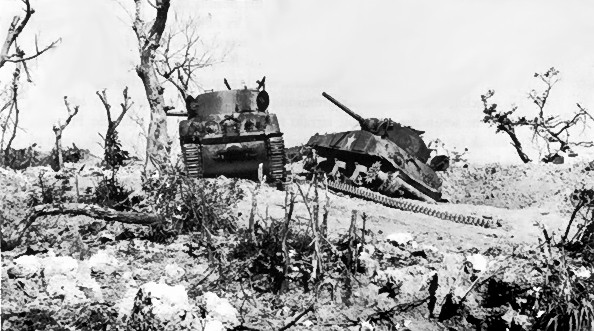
x=423 y=63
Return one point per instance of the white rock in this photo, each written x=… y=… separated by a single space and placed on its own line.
x=88 y=284
x=167 y=300
x=64 y=285
x=582 y=272
x=366 y=326
x=174 y=272
x=213 y=325
x=103 y=261
x=220 y=309
x=400 y=238
x=308 y=324
x=59 y=265
x=126 y=305
x=26 y=266
x=479 y=262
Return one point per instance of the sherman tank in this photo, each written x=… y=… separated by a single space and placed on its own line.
x=230 y=133
x=384 y=156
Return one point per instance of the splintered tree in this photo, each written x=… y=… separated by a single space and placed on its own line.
x=149 y=40
x=555 y=132
x=59 y=129
x=11 y=119
x=11 y=52
x=17 y=26
x=114 y=154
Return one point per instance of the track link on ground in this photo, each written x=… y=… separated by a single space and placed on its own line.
x=414 y=206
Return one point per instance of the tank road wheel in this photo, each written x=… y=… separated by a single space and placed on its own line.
x=193 y=160
x=276 y=157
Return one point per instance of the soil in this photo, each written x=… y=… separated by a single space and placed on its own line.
x=527 y=198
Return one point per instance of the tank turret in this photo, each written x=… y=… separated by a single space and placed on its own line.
x=404 y=136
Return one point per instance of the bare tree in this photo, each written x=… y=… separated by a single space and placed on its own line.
x=17 y=26
x=11 y=52
x=149 y=40
x=182 y=55
x=12 y=106
x=114 y=155
x=552 y=130
x=504 y=122
x=59 y=129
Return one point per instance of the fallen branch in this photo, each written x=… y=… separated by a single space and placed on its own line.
x=298 y=317
x=94 y=211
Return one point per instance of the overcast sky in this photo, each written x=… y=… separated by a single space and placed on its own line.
x=422 y=63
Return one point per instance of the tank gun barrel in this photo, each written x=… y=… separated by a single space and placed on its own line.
x=354 y=115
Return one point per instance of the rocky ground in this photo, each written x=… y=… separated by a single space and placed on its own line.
x=73 y=269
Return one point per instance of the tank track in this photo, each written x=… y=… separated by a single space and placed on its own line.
x=193 y=160
x=276 y=155
x=414 y=206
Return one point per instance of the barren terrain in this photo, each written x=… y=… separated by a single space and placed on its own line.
x=92 y=268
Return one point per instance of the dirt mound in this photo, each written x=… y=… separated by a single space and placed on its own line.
x=544 y=186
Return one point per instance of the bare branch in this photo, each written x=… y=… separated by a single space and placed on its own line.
x=14 y=31
x=14 y=106
x=59 y=129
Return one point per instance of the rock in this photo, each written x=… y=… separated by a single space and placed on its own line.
x=478 y=261
x=582 y=272
x=400 y=238
x=213 y=325
x=59 y=265
x=366 y=326
x=25 y=266
x=103 y=261
x=62 y=285
x=161 y=307
x=174 y=273
x=220 y=309
x=167 y=300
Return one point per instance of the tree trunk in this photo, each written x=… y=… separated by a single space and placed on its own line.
x=517 y=144
x=157 y=153
x=156 y=145
x=59 y=148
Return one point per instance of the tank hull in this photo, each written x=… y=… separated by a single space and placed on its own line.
x=229 y=134
x=381 y=164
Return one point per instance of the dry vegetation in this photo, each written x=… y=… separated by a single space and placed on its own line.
x=182 y=254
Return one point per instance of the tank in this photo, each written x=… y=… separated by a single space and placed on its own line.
x=230 y=133
x=384 y=156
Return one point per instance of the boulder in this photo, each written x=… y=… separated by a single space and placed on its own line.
x=162 y=307
x=174 y=273
x=25 y=266
x=479 y=262
x=103 y=261
x=220 y=309
x=400 y=238
x=59 y=265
